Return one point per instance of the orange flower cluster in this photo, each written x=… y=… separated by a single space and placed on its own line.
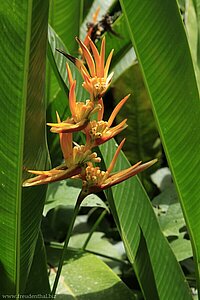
x=79 y=160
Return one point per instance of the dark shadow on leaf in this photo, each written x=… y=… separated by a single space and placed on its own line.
x=145 y=270
x=6 y=286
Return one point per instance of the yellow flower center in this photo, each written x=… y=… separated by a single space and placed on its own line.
x=94 y=176
x=80 y=156
x=97 y=129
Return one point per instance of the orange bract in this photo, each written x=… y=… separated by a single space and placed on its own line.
x=75 y=159
x=81 y=112
x=96 y=78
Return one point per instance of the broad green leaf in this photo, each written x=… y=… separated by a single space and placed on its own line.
x=142 y=138
x=23 y=52
x=36 y=284
x=192 y=23
x=86 y=277
x=160 y=41
x=65 y=193
x=168 y=211
x=172 y=223
x=147 y=249
x=60 y=62
x=65 y=18
x=128 y=60
x=86 y=7
x=98 y=244
x=182 y=248
x=141 y=132
x=197 y=10
x=59 y=208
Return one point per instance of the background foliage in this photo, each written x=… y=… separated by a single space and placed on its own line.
x=131 y=242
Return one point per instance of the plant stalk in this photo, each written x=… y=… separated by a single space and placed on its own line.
x=69 y=232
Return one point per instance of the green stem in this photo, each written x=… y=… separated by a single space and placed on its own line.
x=107 y=256
x=69 y=232
x=98 y=221
x=79 y=250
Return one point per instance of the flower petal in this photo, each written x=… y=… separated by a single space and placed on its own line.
x=102 y=57
x=96 y=57
x=125 y=174
x=117 y=109
x=108 y=63
x=70 y=78
x=101 y=111
x=72 y=98
x=44 y=179
x=112 y=164
x=88 y=57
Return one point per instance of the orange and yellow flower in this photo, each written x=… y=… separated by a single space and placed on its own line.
x=96 y=78
x=75 y=158
x=98 y=132
x=95 y=180
x=80 y=161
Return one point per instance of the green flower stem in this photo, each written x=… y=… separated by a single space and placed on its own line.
x=98 y=221
x=69 y=232
x=79 y=250
x=108 y=257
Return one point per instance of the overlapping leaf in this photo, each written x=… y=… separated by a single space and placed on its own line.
x=143 y=239
x=82 y=281
x=164 y=56
x=23 y=52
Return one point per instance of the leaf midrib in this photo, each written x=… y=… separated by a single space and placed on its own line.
x=21 y=143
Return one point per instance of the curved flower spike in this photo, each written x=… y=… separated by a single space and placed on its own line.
x=98 y=132
x=96 y=180
x=81 y=112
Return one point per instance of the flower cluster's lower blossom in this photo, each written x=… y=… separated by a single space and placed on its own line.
x=79 y=160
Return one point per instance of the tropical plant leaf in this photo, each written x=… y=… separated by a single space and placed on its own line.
x=142 y=237
x=182 y=248
x=192 y=23
x=85 y=276
x=23 y=52
x=60 y=62
x=65 y=193
x=36 y=284
x=143 y=140
x=98 y=243
x=164 y=56
x=65 y=18
x=128 y=60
